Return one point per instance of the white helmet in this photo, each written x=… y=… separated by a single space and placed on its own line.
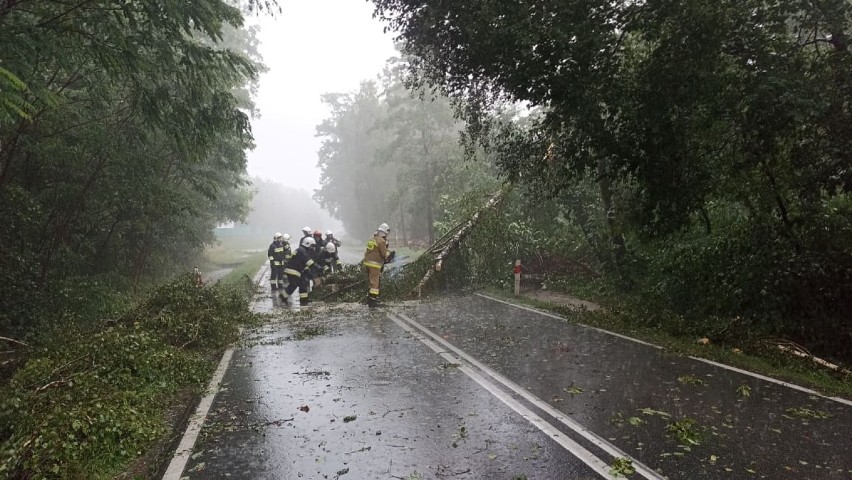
x=330 y=248
x=307 y=230
x=384 y=228
x=277 y=234
x=329 y=232
x=286 y=237
x=308 y=242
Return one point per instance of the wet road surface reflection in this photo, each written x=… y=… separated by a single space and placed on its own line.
x=343 y=392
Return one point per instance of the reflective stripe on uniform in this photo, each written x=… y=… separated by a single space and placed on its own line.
x=309 y=263
x=368 y=263
x=279 y=249
x=303 y=295
x=290 y=271
x=270 y=258
x=373 y=291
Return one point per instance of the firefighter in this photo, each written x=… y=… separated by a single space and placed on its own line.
x=306 y=232
x=300 y=268
x=287 y=250
x=375 y=257
x=320 y=245
x=329 y=260
x=285 y=241
x=329 y=237
x=276 y=265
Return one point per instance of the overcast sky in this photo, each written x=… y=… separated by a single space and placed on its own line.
x=312 y=47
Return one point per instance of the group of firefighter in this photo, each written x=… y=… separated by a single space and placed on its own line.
x=317 y=256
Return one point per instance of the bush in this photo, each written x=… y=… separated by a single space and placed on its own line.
x=755 y=282
x=85 y=406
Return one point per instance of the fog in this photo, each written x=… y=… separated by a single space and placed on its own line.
x=311 y=48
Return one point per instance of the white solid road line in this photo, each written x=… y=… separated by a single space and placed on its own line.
x=592 y=437
x=551 y=315
x=703 y=360
x=184 y=450
x=599 y=466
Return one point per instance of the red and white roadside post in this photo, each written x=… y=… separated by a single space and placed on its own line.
x=517 y=277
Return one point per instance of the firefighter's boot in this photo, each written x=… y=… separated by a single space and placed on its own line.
x=374 y=302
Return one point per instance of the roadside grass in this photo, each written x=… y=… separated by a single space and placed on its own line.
x=94 y=396
x=249 y=267
x=233 y=249
x=750 y=355
x=242 y=255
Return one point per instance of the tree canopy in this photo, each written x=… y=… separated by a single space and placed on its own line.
x=716 y=136
x=123 y=131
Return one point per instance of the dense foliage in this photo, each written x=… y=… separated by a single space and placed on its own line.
x=93 y=397
x=123 y=130
x=693 y=152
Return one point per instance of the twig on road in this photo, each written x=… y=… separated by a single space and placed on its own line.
x=12 y=340
x=362 y=449
x=344 y=289
x=397 y=410
x=440 y=473
x=277 y=423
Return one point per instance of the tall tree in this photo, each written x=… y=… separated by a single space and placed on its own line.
x=123 y=141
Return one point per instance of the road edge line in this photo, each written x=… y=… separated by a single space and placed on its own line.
x=570 y=445
x=703 y=360
x=184 y=449
x=559 y=317
x=576 y=427
x=190 y=435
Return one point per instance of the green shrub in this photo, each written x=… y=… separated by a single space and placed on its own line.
x=84 y=406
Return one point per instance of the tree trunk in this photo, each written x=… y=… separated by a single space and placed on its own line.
x=402 y=224
x=616 y=239
x=708 y=227
x=783 y=212
x=430 y=190
x=460 y=234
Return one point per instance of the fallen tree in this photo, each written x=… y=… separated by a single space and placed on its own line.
x=449 y=242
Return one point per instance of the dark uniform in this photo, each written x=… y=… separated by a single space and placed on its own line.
x=330 y=238
x=330 y=261
x=319 y=247
x=278 y=257
x=270 y=253
x=300 y=268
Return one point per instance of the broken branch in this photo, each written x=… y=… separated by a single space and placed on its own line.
x=460 y=234
x=799 y=352
x=12 y=340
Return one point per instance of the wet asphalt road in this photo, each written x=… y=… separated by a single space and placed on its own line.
x=342 y=392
